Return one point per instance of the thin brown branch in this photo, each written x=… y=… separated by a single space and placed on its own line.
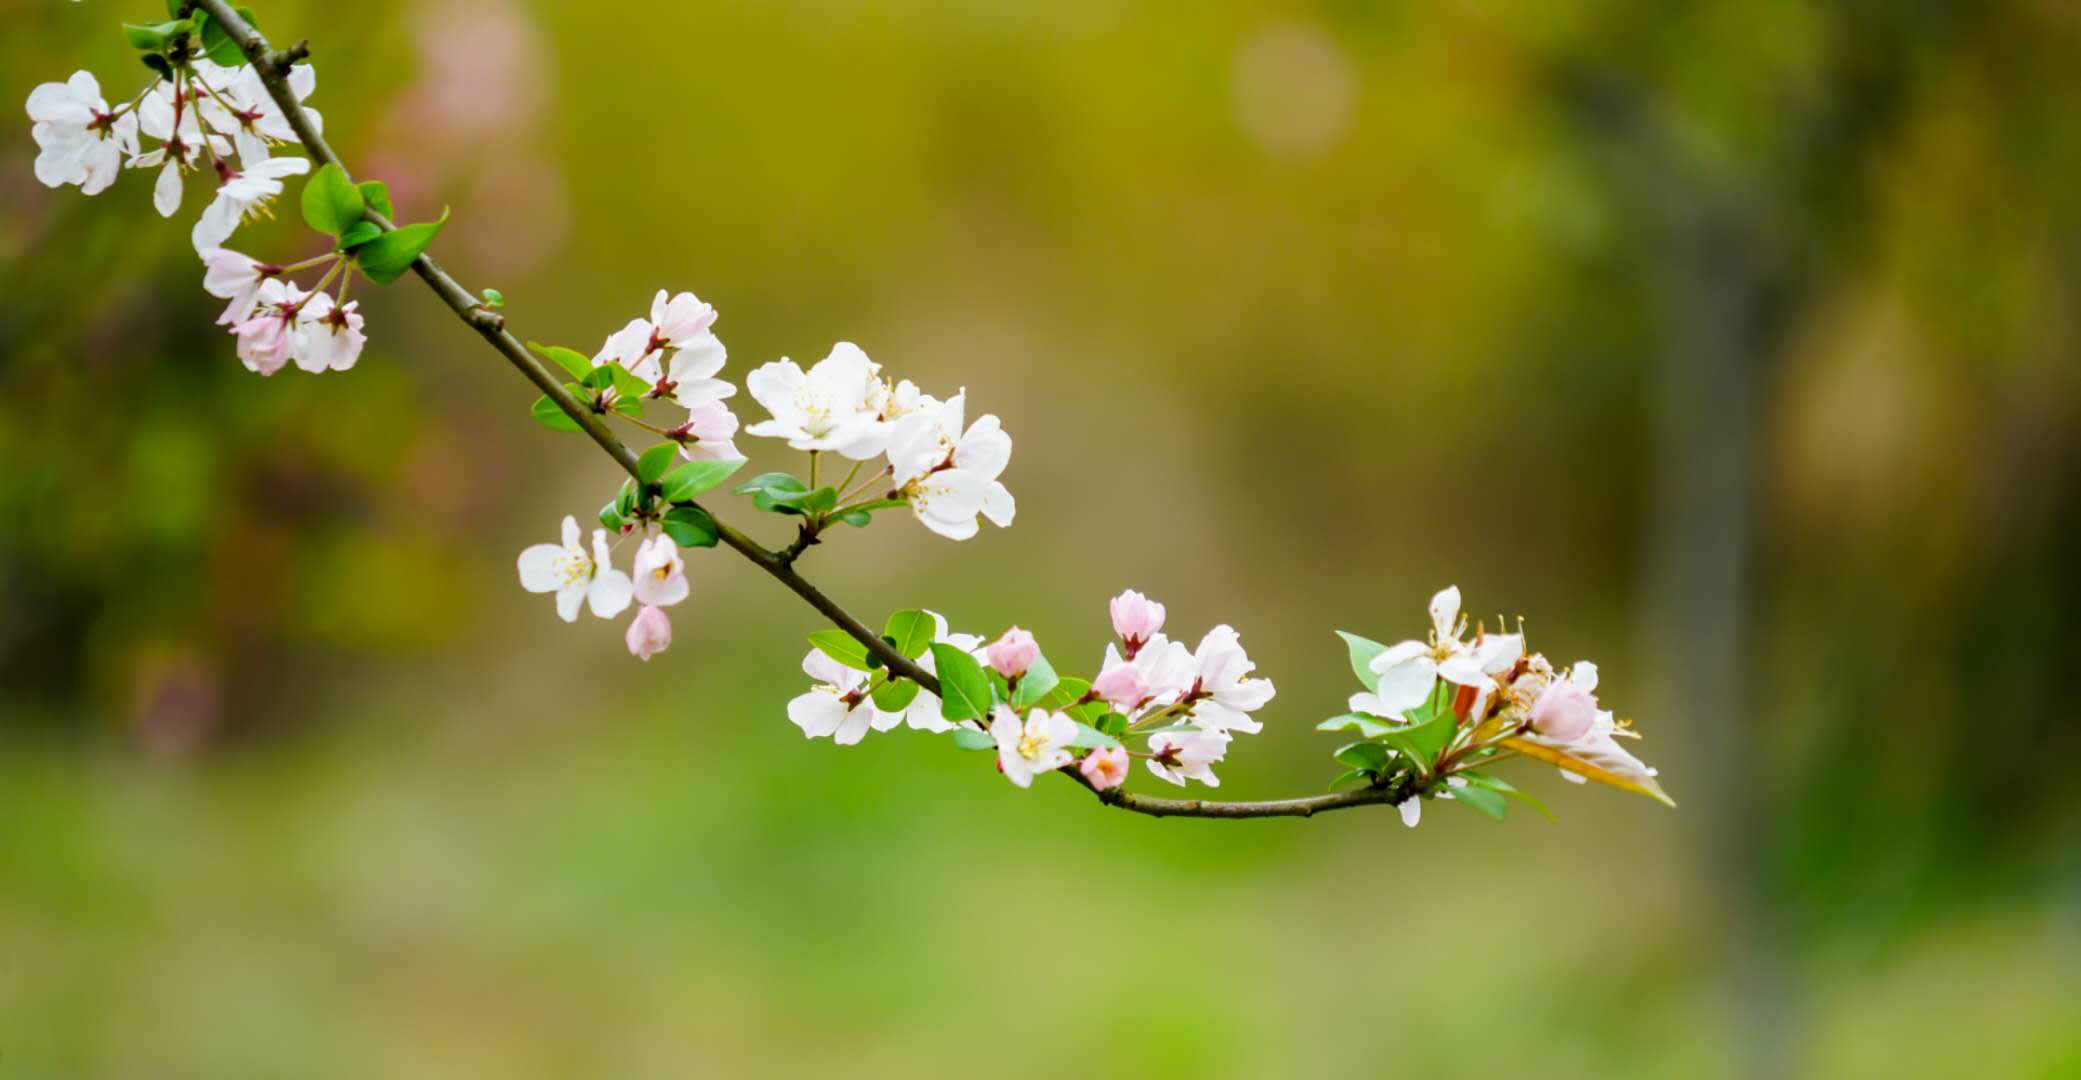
x=273 y=68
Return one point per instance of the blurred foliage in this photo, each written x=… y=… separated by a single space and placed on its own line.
x=1297 y=312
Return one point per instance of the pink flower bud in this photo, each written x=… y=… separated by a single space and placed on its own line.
x=1122 y=687
x=659 y=578
x=1564 y=711
x=1136 y=618
x=1105 y=767
x=649 y=632
x=263 y=342
x=1013 y=653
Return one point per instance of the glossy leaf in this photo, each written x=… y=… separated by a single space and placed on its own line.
x=1034 y=685
x=840 y=646
x=1363 y=650
x=331 y=202
x=391 y=254
x=964 y=691
x=651 y=465
x=695 y=477
x=570 y=360
x=969 y=739
x=895 y=695
x=911 y=632
x=1481 y=799
x=548 y=415
x=1092 y=738
x=375 y=193
x=690 y=526
x=1370 y=756
x=1359 y=722
x=1502 y=787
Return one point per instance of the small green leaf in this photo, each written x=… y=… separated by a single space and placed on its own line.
x=629 y=386
x=895 y=696
x=840 y=646
x=1503 y=787
x=1355 y=776
x=1421 y=743
x=628 y=406
x=911 y=632
x=968 y=739
x=217 y=43
x=388 y=256
x=376 y=194
x=1359 y=722
x=494 y=298
x=651 y=465
x=1370 y=756
x=695 y=477
x=598 y=378
x=1482 y=799
x=858 y=519
x=548 y=415
x=1363 y=650
x=570 y=360
x=964 y=692
x=1034 y=685
x=1068 y=690
x=1113 y=724
x=158 y=65
x=359 y=233
x=819 y=501
x=690 y=526
x=154 y=37
x=626 y=498
x=610 y=517
x=775 y=492
x=1088 y=736
x=331 y=203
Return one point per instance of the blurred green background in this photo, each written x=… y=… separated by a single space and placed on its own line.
x=1732 y=344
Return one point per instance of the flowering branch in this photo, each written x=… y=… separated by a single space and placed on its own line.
x=1434 y=714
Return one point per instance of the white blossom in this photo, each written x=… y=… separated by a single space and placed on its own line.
x=1220 y=667
x=826 y=408
x=269 y=335
x=1178 y=756
x=241 y=193
x=575 y=576
x=329 y=335
x=229 y=275
x=949 y=475
x=79 y=139
x=242 y=106
x=162 y=114
x=1408 y=671
x=838 y=706
x=1038 y=744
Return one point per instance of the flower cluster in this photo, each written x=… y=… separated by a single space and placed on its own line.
x=675 y=355
x=946 y=471
x=1007 y=697
x=1437 y=712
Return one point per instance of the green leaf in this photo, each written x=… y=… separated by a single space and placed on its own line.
x=217 y=43
x=911 y=632
x=968 y=739
x=598 y=378
x=627 y=385
x=840 y=646
x=570 y=360
x=331 y=203
x=628 y=406
x=494 y=298
x=610 y=517
x=359 y=233
x=158 y=65
x=1359 y=722
x=1355 y=776
x=695 y=477
x=391 y=254
x=1067 y=691
x=819 y=501
x=1503 y=787
x=895 y=695
x=1482 y=799
x=1363 y=650
x=1091 y=737
x=964 y=692
x=1034 y=685
x=154 y=37
x=548 y=415
x=651 y=465
x=1421 y=743
x=775 y=492
x=1113 y=723
x=690 y=526
x=1370 y=756
x=858 y=519
x=376 y=194
x=625 y=499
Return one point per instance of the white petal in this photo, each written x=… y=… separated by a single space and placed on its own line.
x=166 y=191
x=541 y=568
x=569 y=599
x=609 y=593
x=1445 y=611
x=1412 y=810
x=817 y=713
x=1407 y=684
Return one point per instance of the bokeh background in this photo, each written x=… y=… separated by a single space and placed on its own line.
x=1732 y=344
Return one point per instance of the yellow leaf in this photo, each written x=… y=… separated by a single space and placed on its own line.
x=1553 y=755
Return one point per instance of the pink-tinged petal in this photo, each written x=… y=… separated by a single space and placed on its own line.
x=650 y=633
